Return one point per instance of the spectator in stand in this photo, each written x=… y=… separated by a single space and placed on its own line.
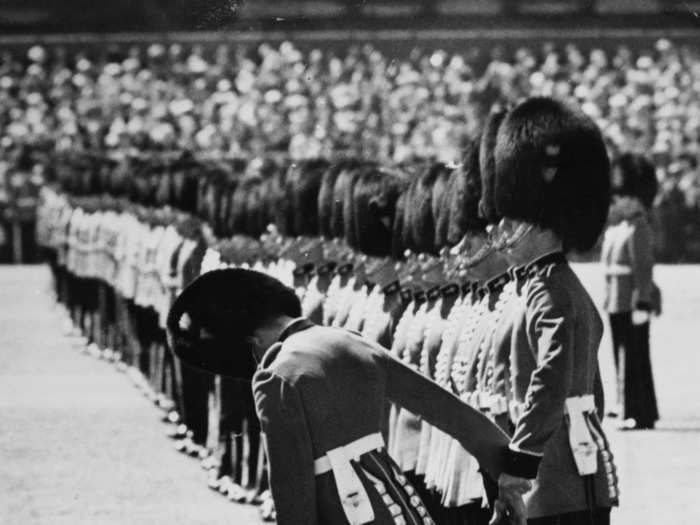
x=235 y=100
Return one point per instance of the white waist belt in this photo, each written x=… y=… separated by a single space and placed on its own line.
x=352 y=450
x=494 y=404
x=618 y=269
x=353 y=496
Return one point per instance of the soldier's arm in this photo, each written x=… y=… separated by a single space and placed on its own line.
x=599 y=394
x=288 y=448
x=440 y=408
x=550 y=337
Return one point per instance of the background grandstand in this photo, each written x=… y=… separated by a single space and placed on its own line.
x=634 y=66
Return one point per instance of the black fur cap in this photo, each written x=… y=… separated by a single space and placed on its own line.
x=210 y=323
x=374 y=206
x=634 y=175
x=487 y=167
x=552 y=170
x=465 y=193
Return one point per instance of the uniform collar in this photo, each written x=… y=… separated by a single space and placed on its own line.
x=449 y=290
x=296 y=325
x=496 y=284
x=544 y=263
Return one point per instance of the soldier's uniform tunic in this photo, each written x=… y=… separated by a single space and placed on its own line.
x=627 y=257
x=306 y=415
x=556 y=400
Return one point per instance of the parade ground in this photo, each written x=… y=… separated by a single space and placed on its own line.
x=79 y=444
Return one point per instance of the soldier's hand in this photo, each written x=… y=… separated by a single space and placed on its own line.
x=510 y=507
x=509 y=513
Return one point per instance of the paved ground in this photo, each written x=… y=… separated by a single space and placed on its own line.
x=659 y=469
x=78 y=444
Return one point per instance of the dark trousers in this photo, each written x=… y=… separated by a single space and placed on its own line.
x=600 y=516
x=472 y=514
x=239 y=432
x=633 y=365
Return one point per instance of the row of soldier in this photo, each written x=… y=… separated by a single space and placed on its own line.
x=344 y=234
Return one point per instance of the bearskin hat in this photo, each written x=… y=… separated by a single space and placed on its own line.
x=374 y=205
x=304 y=182
x=552 y=170
x=164 y=188
x=211 y=322
x=229 y=185
x=326 y=195
x=463 y=199
x=275 y=202
x=442 y=212
x=104 y=170
x=342 y=221
x=487 y=167
x=397 y=240
x=239 y=198
x=185 y=184
x=438 y=205
x=634 y=175
x=210 y=187
x=418 y=216
x=255 y=211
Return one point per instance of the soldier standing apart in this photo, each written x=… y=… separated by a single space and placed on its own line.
x=320 y=393
x=552 y=189
x=630 y=294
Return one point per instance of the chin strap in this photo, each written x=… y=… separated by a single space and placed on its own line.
x=509 y=242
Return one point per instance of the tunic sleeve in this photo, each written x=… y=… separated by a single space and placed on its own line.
x=599 y=394
x=288 y=447
x=642 y=257
x=550 y=336
x=443 y=410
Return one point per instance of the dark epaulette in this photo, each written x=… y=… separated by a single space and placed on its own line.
x=434 y=293
x=518 y=274
x=344 y=269
x=480 y=292
x=466 y=287
x=450 y=290
x=391 y=288
x=419 y=296
x=543 y=266
x=496 y=284
x=304 y=270
x=326 y=268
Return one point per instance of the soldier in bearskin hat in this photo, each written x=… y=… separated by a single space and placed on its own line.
x=472 y=369
x=246 y=324
x=630 y=293
x=552 y=189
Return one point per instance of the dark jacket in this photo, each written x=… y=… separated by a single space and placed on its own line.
x=555 y=335
x=628 y=259
x=325 y=387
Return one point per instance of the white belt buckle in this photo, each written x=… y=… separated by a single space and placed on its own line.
x=582 y=444
x=353 y=496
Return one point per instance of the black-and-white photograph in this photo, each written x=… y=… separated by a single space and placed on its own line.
x=347 y=262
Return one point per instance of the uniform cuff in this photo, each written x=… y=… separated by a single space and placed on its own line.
x=521 y=464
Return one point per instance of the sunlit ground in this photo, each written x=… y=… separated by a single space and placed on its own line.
x=658 y=469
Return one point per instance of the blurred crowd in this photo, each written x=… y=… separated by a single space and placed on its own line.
x=238 y=101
